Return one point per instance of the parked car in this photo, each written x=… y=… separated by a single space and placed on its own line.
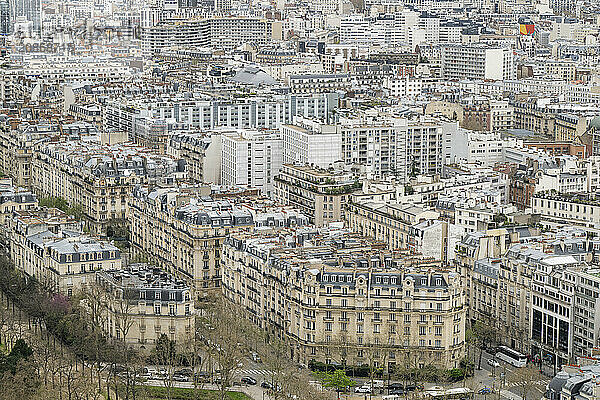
x=485 y=390
x=398 y=391
x=202 y=376
x=363 y=389
x=248 y=380
x=181 y=378
x=256 y=357
x=266 y=385
x=184 y=372
x=493 y=363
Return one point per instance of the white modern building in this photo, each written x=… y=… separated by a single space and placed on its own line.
x=477 y=61
x=471 y=147
x=310 y=142
x=250 y=159
x=387 y=145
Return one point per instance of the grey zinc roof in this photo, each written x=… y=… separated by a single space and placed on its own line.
x=253 y=76
x=66 y=246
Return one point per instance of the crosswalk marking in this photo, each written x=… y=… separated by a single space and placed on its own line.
x=253 y=372
x=537 y=383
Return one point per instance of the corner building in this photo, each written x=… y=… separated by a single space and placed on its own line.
x=343 y=299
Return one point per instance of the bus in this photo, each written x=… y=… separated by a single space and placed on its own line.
x=438 y=393
x=511 y=356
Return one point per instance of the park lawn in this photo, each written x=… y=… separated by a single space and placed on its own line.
x=160 y=393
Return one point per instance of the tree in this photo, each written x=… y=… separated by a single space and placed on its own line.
x=337 y=380
x=164 y=352
x=527 y=379
x=223 y=331
x=96 y=305
x=22 y=383
x=117 y=229
x=482 y=336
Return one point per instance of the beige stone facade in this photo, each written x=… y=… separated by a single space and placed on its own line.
x=356 y=304
x=45 y=245
x=143 y=303
x=99 y=179
x=387 y=222
x=320 y=194
x=182 y=235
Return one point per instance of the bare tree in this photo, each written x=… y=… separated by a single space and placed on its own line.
x=222 y=331
x=527 y=379
x=96 y=303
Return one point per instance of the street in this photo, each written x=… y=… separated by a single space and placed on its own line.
x=497 y=379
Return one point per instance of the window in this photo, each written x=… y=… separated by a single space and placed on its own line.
x=157 y=309
x=172 y=309
x=157 y=295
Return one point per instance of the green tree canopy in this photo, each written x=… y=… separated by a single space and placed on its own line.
x=337 y=380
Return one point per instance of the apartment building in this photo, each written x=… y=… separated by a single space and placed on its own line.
x=251 y=159
x=319 y=83
x=183 y=233
x=90 y=113
x=98 y=178
x=581 y=209
x=405 y=86
x=192 y=148
x=17 y=145
x=585 y=309
x=311 y=142
x=48 y=245
x=568 y=127
x=385 y=221
x=13 y=200
x=535 y=290
x=143 y=303
x=576 y=380
x=472 y=147
x=388 y=146
x=206 y=113
x=226 y=33
x=352 y=303
x=477 y=61
x=319 y=193
x=62 y=69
